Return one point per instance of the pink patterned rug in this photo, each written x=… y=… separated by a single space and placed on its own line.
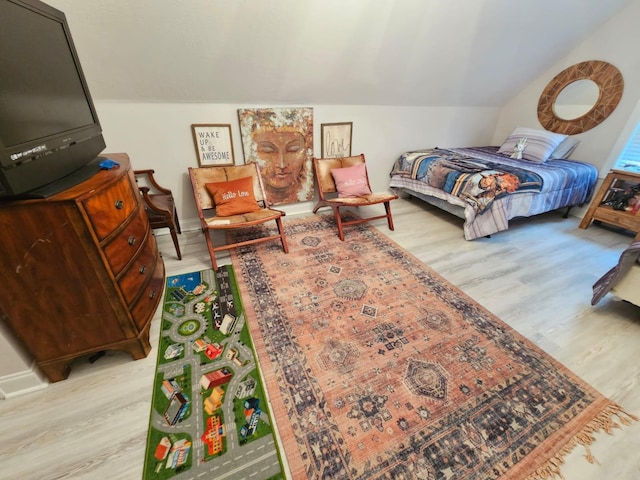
x=378 y=368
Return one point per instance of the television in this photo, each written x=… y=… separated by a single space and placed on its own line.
x=50 y=135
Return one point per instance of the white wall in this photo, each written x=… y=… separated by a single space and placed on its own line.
x=615 y=42
x=18 y=373
x=159 y=136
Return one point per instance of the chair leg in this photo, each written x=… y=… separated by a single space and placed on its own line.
x=212 y=254
x=285 y=247
x=177 y=222
x=387 y=207
x=174 y=237
x=336 y=214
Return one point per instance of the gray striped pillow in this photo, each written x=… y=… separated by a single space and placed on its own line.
x=540 y=143
x=565 y=149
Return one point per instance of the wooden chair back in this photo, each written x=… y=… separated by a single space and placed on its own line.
x=203 y=175
x=323 y=167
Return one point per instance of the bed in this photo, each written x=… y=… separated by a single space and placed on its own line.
x=487 y=188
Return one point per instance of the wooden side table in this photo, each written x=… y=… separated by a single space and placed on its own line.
x=615 y=181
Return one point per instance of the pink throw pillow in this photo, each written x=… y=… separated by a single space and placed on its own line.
x=351 y=181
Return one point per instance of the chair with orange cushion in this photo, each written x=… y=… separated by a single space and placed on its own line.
x=230 y=198
x=344 y=182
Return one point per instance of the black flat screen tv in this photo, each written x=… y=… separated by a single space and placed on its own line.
x=50 y=135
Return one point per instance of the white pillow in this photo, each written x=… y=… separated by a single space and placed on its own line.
x=565 y=149
x=540 y=143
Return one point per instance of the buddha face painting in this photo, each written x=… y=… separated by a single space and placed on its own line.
x=282 y=157
x=280 y=141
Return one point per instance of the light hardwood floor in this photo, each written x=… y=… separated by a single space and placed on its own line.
x=537 y=277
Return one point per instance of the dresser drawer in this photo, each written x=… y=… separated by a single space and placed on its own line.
x=122 y=248
x=111 y=207
x=146 y=305
x=139 y=271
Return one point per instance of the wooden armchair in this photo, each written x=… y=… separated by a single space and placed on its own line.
x=159 y=205
x=333 y=191
x=216 y=190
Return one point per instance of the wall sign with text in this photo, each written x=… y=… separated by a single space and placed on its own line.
x=214 y=145
x=336 y=139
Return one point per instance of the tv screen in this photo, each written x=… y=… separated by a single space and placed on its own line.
x=49 y=128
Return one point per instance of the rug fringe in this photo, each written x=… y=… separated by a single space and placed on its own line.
x=605 y=421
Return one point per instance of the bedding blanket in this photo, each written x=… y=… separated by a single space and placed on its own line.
x=486 y=208
x=628 y=258
x=476 y=181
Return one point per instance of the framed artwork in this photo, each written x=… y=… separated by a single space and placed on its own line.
x=214 y=145
x=336 y=139
x=280 y=141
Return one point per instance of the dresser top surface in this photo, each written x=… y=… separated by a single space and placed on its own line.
x=101 y=180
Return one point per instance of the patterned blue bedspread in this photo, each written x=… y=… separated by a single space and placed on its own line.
x=565 y=183
x=568 y=182
x=478 y=181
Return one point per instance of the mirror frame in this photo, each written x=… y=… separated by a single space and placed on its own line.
x=610 y=85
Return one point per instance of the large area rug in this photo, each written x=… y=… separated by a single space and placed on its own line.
x=210 y=414
x=378 y=368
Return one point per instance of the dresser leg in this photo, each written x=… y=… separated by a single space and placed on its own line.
x=140 y=347
x=56 y=371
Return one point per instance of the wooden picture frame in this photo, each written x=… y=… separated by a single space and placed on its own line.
x=214 y=144
x=335 y=139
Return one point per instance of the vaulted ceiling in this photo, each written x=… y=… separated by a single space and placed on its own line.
x=359 y=52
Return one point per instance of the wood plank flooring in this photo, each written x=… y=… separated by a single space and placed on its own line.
x=537 y=277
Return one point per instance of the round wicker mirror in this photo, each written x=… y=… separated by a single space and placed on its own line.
x=610 y=84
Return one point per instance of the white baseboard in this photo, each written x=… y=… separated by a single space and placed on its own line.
x=21 y=383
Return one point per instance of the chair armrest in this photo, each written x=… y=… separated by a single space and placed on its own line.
x=149 y=174
x=281 y=212
x=147 y=199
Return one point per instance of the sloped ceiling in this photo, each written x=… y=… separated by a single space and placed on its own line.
x=338 y=52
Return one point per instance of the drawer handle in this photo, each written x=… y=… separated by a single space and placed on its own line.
x=152 y=294
x=142 y=269
x=119 y=204
x=132 y=240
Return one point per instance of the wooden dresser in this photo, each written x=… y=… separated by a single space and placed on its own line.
x=81 y=271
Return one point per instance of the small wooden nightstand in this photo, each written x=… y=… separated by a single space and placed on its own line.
x=615 y=181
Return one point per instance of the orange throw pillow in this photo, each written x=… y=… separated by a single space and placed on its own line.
x=234 y=197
